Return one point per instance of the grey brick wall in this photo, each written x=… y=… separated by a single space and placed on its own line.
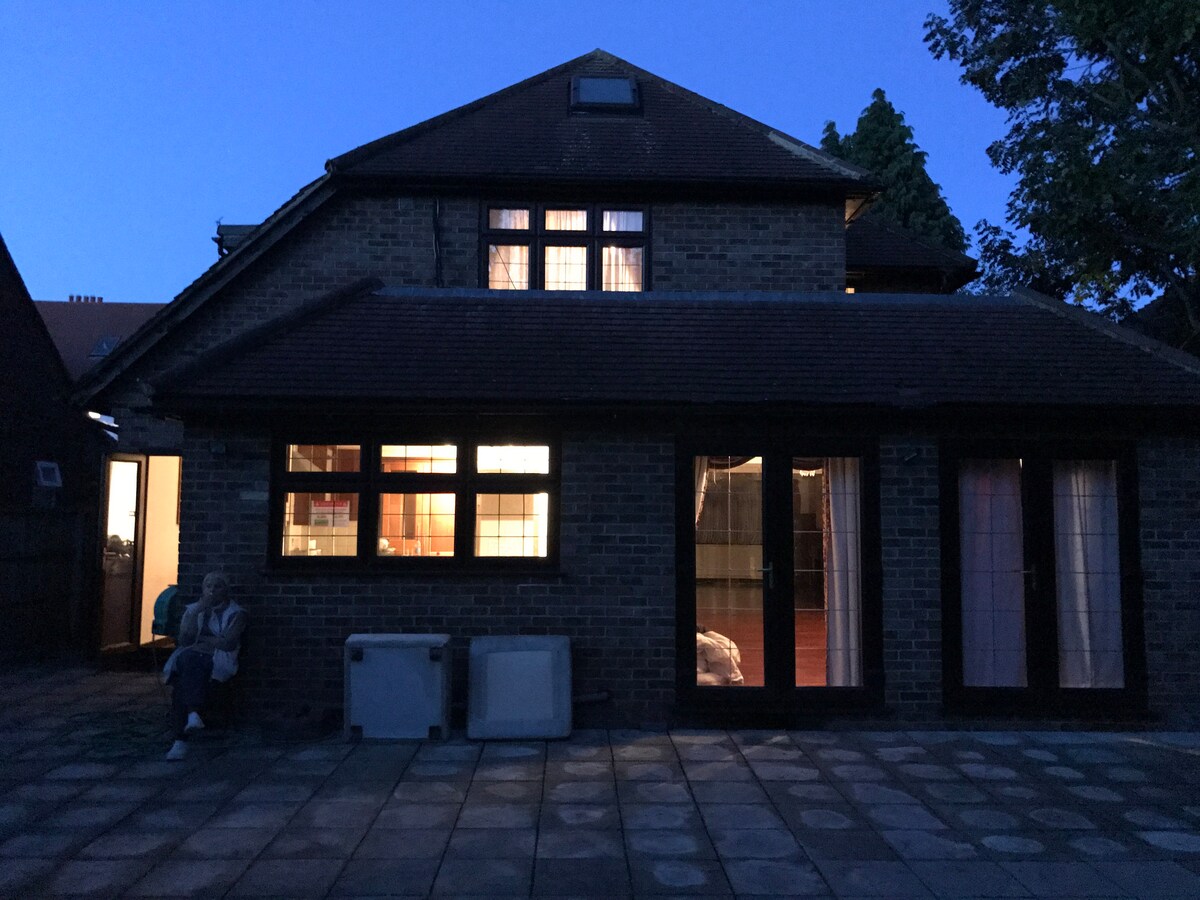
x=1169 y=495
x=741 y=247
x=614 y=594
x=912 y=604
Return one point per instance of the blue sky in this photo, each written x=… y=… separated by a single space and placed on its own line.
x=130 y=128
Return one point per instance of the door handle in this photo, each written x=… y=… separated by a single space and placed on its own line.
x=768 y=573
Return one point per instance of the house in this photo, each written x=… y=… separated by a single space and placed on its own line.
x=85 y=329
x=579 y=358
x=49 y=456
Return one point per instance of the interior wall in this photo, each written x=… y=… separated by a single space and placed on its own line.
x=161 y=558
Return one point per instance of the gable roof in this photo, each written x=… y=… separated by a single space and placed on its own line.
x=529 y=132
x=425 y=349
x=79 y=329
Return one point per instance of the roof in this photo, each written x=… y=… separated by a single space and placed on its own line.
x=872 y=243
x=529 y=132
x=82 y=330
x=424 y=348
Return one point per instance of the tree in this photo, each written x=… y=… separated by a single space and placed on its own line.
x=1103 y=103
x=883 y=144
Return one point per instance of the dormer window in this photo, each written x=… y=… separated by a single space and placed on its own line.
x=604 y=93
x=565 y=247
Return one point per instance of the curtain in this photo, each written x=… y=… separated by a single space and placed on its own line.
x=843 y=597
x=566 y=220
x=621 y=220
x=1088 y=575
x=622 y=268
x=700 y=471
x=566 y=268
x=509 y=219
x=993 y=563
x=508 y=267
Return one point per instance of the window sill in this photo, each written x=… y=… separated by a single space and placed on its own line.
x=307 y=567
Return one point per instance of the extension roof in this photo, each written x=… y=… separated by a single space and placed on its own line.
x=424 y=349
x=529 y=132
x=874 y=244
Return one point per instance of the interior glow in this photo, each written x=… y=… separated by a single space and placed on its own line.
x=513 y=460
x=438 y=459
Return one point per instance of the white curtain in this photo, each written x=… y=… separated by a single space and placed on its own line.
x=508 y=267
x=1088 y=575
x=566 y=268
x=993 y=563
x=622 y=220
x=700 y=472
x=622 y=268
x=566 y=220
x=843 y=595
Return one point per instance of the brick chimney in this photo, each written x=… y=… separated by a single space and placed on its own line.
x=81 y=298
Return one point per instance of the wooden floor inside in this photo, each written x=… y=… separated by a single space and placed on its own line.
x=745 y=628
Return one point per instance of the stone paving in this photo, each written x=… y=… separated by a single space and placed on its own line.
x=89 y=808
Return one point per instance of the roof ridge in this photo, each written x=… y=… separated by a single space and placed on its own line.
x=1096 y=322
x=776 y=136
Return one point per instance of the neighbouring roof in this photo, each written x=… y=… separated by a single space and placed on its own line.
x=413 y=348
x=873 y=244
x=86 y=333
x=529 y=132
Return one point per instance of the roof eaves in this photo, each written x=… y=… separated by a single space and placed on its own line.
x=1098 y=323
x=192 y=297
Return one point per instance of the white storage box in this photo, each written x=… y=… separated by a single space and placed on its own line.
x=520 y=687
x=397 y=685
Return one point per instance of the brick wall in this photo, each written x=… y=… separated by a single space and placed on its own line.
x=912 y=605
x=614 y=594
x=740 y=247
x=1169 y=493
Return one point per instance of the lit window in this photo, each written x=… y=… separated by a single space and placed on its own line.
x=622 y=220
x=513 y=460
x=508 y=267
x=416 y=525
x=508 y=219
x=440 y=459
x=566 y=220
x=622 y=269
x=320 y=524
x=323 y=457
x=511 y=524
x=566 y=269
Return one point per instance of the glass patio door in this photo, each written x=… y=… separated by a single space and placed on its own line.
x=776 y=573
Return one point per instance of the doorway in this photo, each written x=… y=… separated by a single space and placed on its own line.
x=140 y=544
x=777 y=577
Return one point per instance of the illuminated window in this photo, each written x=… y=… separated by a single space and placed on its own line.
x=417 y=503
x=565 y=248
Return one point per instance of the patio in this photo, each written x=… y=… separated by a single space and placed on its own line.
x=89 y=808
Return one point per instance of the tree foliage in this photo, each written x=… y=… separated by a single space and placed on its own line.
x=1103 y=104
x=883 y=144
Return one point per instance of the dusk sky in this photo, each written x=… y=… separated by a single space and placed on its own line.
x=130 y=128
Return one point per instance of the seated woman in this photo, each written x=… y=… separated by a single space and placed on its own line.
x=717 y=658
x=210 y=636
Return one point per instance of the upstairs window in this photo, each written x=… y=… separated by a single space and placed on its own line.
x=565 y=247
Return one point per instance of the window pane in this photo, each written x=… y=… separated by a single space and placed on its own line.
x=320 y=524
x=508 y=267
x=729 y=571
x=566 y=220
x=439 y=459
x=323 y=458
x=566 y=269
x=416 y=525
x=827 y=572
x=509 y=219
x=519 y=460
x=511 y=524
x=993 y=564
x=1088 y=575
x=622 y=269
x=622 y=220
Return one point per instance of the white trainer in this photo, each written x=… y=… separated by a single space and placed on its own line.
x=194 y=723
x=178 y=751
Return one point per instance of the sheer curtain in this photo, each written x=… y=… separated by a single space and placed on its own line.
x=843 y=595
x=622 y=268
x=566 y=268
x=700 y=473
x=993 y=563
x=1088 y=575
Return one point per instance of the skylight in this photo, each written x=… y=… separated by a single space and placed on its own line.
x=603 y=92
x=104 y=346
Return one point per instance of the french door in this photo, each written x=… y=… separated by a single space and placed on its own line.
x=778 y=592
